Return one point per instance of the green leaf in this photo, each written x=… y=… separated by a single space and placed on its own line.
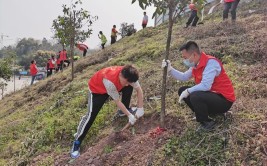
x=141 y=5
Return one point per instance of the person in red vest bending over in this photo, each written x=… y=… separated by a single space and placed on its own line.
x=213 y=92
x=193 y=16
x=83 y=48
x=230 y=4
x=63 y=58
x=107 y=82
x=34 y=71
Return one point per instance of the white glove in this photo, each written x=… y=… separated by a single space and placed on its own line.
x=132 y=119
x=53 y=62
x=166 y=63
x=184 y=94
x=140 y=112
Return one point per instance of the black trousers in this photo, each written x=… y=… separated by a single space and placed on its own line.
x=227 y=7
x=205 y=103
x=84 y=52
x=144 y=25
x=62 y=63
x=50 y=72
x=113 y=39
x=193 y=17
x=95 y=103
x=103 y=45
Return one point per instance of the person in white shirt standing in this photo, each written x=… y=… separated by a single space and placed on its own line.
x=145 y=20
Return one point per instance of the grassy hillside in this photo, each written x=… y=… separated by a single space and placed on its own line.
x=37 y=123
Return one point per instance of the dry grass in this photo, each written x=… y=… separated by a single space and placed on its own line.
x=50 y=109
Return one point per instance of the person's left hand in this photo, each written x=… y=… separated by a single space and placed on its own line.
x=183 y=95
x=140 y=112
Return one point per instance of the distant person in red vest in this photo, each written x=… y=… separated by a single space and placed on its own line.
x=193 y=16
x=63 y=57
x=83 y=48
x=105 y=83
x=51 y=65
x=113 y=34
x=213 y=92
x=34 y=71
x=230 y=4
x=145 y=20
x=58 y=61
x=47 y=68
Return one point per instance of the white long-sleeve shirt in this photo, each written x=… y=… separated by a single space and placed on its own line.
x=211 y=70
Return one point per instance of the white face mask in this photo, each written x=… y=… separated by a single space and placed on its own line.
x=188 y=63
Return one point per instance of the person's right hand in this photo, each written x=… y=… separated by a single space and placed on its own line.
x=166 y=63
x=140 y=112
x=132 y=119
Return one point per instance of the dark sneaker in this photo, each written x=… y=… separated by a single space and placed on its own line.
x=207 y=126
x=75 y=150
x=120 y=113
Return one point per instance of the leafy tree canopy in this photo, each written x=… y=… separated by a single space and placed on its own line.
x=74 y=23
x=5 y=68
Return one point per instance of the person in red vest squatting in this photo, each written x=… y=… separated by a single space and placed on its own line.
x=63 y=58
x=34 y=71
x=230 y=4
x=193 y=16
x=107 y=82
x=213 y=92
x=83 y=48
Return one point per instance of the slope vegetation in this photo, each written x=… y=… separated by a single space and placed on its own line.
x=37 y=123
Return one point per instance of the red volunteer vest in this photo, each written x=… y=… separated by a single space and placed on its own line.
x=229 y=1
x=33 y=69
x=222 y=84
x=192 y=6
x=63 y=55
x=82 y=47
x=51 y=65
x=58 y=61
x=96 y=85
x=144 y=22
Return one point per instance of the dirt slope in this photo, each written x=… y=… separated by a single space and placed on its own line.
x=37 y=123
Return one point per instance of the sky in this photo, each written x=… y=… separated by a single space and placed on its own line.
x=33 y=18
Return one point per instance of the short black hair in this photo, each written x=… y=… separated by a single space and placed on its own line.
x=114 y=26
x=32 y=61
x=190 y=46
x=100 y=32
x=130 y=73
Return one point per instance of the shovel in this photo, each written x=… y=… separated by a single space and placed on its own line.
x=212 y=8
x=128 y=124
x=202 y=17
